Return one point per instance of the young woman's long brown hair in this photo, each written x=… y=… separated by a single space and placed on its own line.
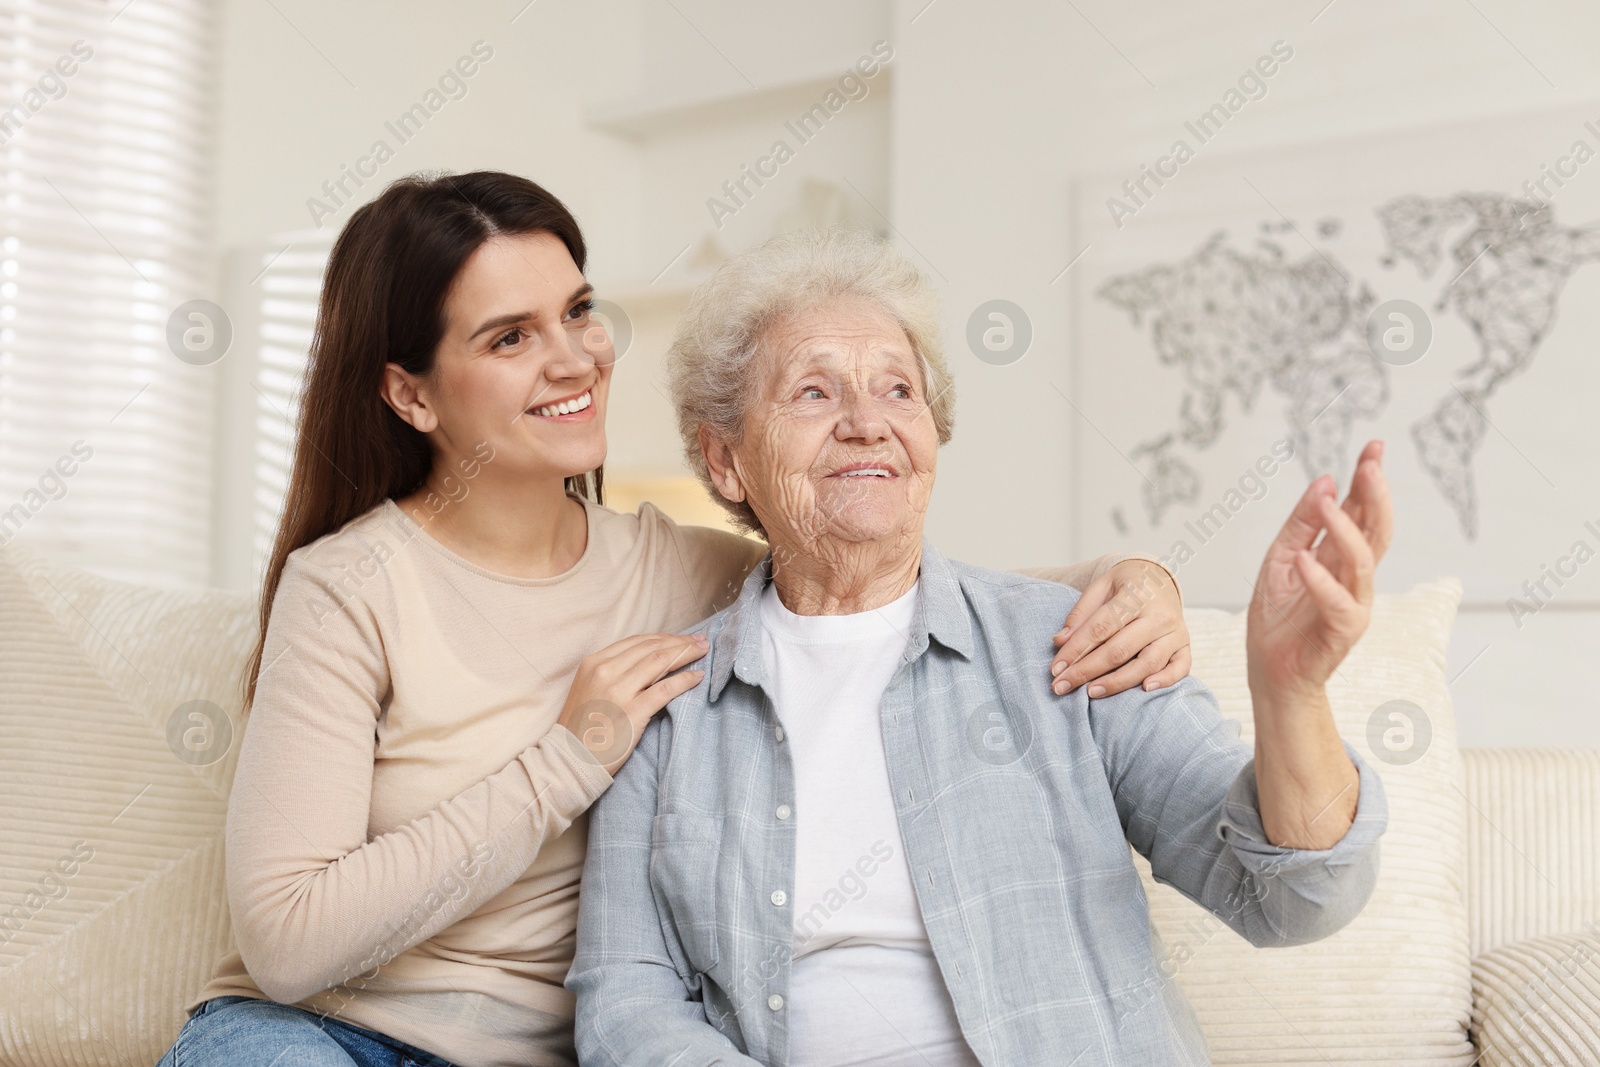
x=383 y=302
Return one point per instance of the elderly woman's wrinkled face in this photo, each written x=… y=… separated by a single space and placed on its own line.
x=839 y=443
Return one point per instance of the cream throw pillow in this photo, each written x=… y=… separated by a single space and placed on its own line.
x=112 y=910
x=1537 y=1001
x=1393 y=986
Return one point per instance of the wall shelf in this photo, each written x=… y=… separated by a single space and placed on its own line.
x=655 y=115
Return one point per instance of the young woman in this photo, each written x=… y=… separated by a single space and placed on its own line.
x=461 y=645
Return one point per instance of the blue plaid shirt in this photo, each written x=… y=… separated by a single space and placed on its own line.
x=1016 y=809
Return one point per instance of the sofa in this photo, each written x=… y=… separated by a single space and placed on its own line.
x=120 y=713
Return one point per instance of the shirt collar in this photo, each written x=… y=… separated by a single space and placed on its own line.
x=942 y=614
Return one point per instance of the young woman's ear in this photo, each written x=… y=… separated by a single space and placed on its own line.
x=403 y=392
x=719 y=463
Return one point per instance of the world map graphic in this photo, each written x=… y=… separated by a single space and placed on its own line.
x=1240 y=322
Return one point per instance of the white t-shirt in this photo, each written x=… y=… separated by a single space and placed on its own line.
x=866 y=988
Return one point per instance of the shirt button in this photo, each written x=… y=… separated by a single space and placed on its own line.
x=779 y=898
x=778 y=733
x=775 y=1002
x=784 y=811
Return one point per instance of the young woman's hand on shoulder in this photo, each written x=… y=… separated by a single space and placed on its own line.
x=619 y=689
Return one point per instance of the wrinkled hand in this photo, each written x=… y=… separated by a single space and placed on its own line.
x=1311 y=605
x=1127 y=628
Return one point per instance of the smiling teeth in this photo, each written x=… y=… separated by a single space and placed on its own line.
x=866 y=472
x=566 y=407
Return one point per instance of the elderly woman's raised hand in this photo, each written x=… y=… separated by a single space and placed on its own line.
x=1311 y=605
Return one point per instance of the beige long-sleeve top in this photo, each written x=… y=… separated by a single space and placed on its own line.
x=407 y=830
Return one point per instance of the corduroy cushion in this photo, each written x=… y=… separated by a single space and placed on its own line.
x=113 y=787
x=1533 y=843
x=1393 y=986
x=1537 y=1002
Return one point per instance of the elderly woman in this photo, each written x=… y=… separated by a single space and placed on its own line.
x=868 y=835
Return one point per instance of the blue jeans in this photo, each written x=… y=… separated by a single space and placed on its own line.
x=246 y=1032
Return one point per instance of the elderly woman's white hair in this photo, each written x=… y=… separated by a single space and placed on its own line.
x=712 y=365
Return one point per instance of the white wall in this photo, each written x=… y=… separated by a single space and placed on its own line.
x=308 y=91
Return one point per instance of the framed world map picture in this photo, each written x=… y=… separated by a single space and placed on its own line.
x=1269 y=313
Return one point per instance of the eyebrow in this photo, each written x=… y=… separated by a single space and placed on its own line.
x=500 y=321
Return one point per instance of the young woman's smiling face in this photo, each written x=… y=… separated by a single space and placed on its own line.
x=521 y=364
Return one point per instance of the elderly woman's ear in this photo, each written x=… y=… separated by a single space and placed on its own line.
x=720 y=466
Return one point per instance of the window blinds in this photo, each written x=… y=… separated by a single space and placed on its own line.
x=286 y=292
x=105 y=434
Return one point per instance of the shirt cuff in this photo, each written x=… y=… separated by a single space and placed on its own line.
x=584 y=777
x=1119 y=558
x=1241 y=828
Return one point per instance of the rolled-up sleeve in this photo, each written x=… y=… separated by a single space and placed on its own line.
x=633 y=1007
x=1185 y=790
x=1307 y=894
